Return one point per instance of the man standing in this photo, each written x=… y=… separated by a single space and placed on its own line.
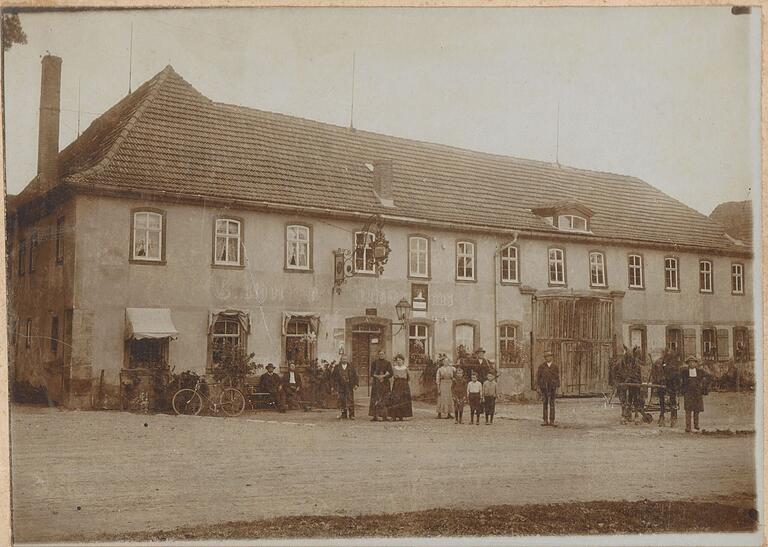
x=270 y=383
x=694 y=387
x=484 y=366
x=381 y=372
x=345 y=380
x=548 y=380
x=291 y=387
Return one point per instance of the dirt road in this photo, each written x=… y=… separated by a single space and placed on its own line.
x=79 y=474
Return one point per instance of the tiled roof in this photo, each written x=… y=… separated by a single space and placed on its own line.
x=736 y=219
x=166 y=136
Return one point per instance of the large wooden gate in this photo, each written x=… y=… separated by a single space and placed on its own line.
x=578 y=330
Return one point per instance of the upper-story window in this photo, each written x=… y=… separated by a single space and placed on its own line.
x=510 y=271
x=556 y=267
x=572 y=223
x=364 y=262
x=737 y=278
x=60 y=240
x=671 y=274
x=148 y=236
x=635 y=266
x=705 y=275
x=297 y=247
x=22 y=256
x=465 y=260
x=33 y=243
x=418 y=256
x=597 y=269
x=228 y=242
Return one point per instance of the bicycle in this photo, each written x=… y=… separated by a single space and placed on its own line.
x=189 y=402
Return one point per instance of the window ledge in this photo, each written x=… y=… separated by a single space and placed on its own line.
x=298 y=270
x=147 y=262
x=228 y=266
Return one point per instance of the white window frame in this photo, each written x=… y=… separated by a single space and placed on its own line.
x=571 y=219
x=671 y=272
x=636 y=267
x=143 y=234
x=294 y=241
x=705 y=276
x=558 y=262
x=505 y=339
x=737 y=278
x=467 y=341
x=224 y=236
x=364 y=253
x=237 y=336
x=509 y=256
x=423 y=338
x=708 y=346
x=597 y=277
x=465 y=250
x=415 y=254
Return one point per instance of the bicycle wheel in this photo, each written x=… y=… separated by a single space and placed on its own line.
x=187 y=402
x=232 y=401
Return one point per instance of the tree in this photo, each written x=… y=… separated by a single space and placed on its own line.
x=12 y=31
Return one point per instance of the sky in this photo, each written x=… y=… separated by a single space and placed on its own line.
x=669 y=95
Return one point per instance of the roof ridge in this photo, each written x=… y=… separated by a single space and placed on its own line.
x=156 y=83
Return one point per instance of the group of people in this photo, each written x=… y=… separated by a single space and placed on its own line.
x=455 y=391
x=284 y=389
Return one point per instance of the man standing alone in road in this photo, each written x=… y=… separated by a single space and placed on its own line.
x=548 y=380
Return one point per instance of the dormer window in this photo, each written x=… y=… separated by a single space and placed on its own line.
x=572 y=223
x=568 y=216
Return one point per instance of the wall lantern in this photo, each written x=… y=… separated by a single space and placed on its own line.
x=372 y=250
x=403 y=310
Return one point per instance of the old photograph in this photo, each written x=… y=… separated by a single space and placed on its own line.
x=335 y=275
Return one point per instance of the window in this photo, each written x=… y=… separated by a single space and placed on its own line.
x=148 y=353
x=33 y=243
x=509 y=349
x=708 y=344
x=226 y=334
x=54 y=334
x=227 y=242
x=148 y=236
x=22 y=256
x=464 y=340
x=297 y=247
x=637 y=341
x=299 y=341
x=597 y=269
x=418 y=344
x=572 y=223
x=509 y=265
x=740 y=344
x=635 y=271
x=556 y=267
x=737 y=278
x=465 y=261
x=418 y=256
x=671 y=274
x=59 y=240
x=364 y=262
x=675 y=341
x=28 y=334
x=705 y=276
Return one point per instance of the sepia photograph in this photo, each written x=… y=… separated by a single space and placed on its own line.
x=384 y=276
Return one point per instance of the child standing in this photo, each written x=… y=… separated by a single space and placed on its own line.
x=459 y=394
x=489 y=397
x=475 y=396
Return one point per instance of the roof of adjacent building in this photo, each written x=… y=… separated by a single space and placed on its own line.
x=166 y=136
x=736 y=219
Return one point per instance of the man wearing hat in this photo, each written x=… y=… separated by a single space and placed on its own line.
x=548 y=380
x=483 y=366
x=345 y=380
x=270 y=383
x=694 y=386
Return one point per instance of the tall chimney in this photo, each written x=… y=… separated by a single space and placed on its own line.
x=48 y=137
x=382 y=182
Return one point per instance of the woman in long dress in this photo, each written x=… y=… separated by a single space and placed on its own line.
x=444 y=379
x=400 y=400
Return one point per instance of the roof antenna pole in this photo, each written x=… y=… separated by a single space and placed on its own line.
x=78 y=107
x=352 y=108
x=557 y=137
x=130 y=60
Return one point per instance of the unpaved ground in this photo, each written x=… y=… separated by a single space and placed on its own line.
x=79 y=475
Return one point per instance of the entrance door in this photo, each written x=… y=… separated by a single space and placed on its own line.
x=366 y=343
x=579 y=332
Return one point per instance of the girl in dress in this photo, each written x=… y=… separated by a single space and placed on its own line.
x=459 y=394
x=443 y=379
x=400 y=400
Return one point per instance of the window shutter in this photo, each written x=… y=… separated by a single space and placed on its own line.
x=751 y=343
x=689 y=343
x=723 y=349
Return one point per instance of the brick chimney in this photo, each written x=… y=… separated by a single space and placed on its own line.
x=48 y=137
x=382 y=182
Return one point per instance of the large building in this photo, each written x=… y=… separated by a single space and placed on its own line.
x=175 y=224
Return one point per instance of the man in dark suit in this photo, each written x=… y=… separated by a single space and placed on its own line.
x=484 y=366
x=270 y=383
x=548 y=380
x=291 y=382
x=381 y=372
x=694 y=385
x=345 y=380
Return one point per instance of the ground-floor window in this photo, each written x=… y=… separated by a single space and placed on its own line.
x=740 y=344
x=418 y=344
x=148 y=353
x=675 y=341
x=708 y=344
x=227 y=333
x=509 y=348
x=637 y=341
x=464 y=340
x=300 y=341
